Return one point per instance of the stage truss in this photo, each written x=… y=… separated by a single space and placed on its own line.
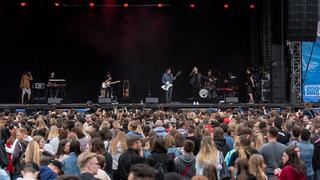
x=295 y=58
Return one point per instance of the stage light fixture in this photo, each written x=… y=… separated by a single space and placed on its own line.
x=193 y=5
x=125 y=5
x=23 y=4
x=252 y=6
x=160 y=5
x=57 y=4
x=91 y=4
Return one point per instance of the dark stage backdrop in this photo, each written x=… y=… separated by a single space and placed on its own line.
x=135 y=44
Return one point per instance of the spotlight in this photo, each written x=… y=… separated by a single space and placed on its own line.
x=125 y=5
x=56 y=4
x=252 y=6
x=91 y=4
x=23 y=4
x=193 y=5
x=225 y=5
x=160 y=5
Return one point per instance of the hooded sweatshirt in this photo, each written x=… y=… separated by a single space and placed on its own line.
x=185 y=165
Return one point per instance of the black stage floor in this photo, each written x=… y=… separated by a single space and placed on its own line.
x=175 y=106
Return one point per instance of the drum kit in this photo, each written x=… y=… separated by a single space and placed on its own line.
x=210 y=91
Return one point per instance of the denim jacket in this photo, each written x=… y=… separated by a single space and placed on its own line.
x=306 y=149
x=69 y=165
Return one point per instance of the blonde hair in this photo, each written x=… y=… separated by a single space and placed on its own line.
x=54 y=132
x=84 y=158
x=120 y=137
x=32 y=153
x=41 y=124
x=256 y=166
x=258 y=140
x=207 y=152
x=116 y=125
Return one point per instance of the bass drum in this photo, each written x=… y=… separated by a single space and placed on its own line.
x=203 y=93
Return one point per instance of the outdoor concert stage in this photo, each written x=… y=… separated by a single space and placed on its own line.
x=155 y=106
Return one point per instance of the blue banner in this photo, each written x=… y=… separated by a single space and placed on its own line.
x=310 y=76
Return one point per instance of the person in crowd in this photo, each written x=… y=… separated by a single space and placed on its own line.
x=68 y=164
x=191 y=136
x=159 y=159
x=118 y=145
x=208 y=154
x=272 y=152
x=88 y=164
x=257 y=167
x=134 y=127
x=101 y=174
x=172 y=149
x=220 y=142
x=133 y=155
x=210 y=172
x=185 y=163
x=97 y=146
x=63 y=150
x=19 y=150
x=142 y=172
x=283 y=136
x=53 y=138
x=244 y=151
x=293 y=168
x=306 y=152
x=242 y=169
x=30 y=171
x=52 y=171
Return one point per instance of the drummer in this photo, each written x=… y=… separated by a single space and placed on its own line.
x=210 y=85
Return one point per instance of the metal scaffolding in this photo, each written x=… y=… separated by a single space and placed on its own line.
x=267 y=33
x=295 y=58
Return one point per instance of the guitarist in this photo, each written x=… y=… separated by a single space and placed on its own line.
x=167 y=78
x=108 y=88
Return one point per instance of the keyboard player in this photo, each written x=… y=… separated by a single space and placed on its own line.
x=56 y=86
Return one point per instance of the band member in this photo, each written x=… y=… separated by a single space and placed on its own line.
x=250 y=85
x=25 y=85
x=195 y=82
x=167 y=79
x=108 y=88
x=52 y=86
x=210 y=84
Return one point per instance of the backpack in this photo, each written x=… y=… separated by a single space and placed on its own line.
x=160 y=170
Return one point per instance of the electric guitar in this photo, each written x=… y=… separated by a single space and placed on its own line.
x=169 y=85
x=108 y=83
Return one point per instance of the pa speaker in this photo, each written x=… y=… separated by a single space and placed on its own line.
x=152 y=100
x=232 y=100
x=302 y=20
x=54 y=100
x=104 y=100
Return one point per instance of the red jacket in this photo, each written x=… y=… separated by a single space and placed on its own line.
x=288 y=173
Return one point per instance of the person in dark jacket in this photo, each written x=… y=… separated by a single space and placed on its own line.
x=219 y=140
x=190 y=136
x=185 y=163
x=160 y=158
x=52 y=171
x=133 y=155
x=283 y=136
x=18 y=151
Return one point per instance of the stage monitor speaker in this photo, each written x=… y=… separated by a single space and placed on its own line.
x=104 y=100
x=152 y=100
x=232 y=100
x=54 y=100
